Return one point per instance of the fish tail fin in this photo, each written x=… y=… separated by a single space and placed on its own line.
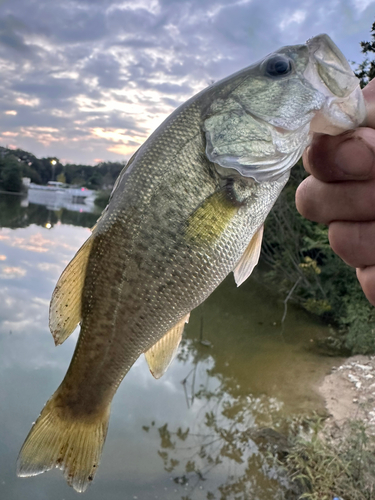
x=58 y=440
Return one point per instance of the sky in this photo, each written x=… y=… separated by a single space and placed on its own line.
x=89 y=80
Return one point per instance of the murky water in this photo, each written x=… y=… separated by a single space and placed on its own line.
x=197 y=433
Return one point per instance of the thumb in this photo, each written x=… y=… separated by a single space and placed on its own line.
x=369 y=95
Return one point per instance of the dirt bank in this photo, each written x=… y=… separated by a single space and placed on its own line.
x=349 y=393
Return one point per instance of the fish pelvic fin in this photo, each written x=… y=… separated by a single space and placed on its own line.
x=161 y=354
x=249 y=258
x=56 y=440
x=65 y=307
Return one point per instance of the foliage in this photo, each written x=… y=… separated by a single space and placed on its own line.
x=324 y=470
x=366 y=70
x=11 y=174
x=43 y=170
x=61 y=178
x=303 y=267
x=101 y=176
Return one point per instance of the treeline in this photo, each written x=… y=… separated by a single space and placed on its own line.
x=16 y=164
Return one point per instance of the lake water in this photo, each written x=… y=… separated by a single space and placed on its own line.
x=198 y=432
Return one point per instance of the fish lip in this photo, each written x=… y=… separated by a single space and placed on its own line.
x=332 y=66
x=330 y=74
x=323 y=41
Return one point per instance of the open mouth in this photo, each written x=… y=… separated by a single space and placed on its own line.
x=332 y=66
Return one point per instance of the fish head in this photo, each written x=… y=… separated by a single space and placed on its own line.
x=260 y=120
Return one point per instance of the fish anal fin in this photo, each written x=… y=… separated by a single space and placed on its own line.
x=161 y=354
x=249 y=258
x=71 y=444
x=65 y=306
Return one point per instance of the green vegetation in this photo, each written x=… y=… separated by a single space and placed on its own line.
x=16 y=163
x=323 y=469
x=11 y=174
x=302 y=266
x=366 y=70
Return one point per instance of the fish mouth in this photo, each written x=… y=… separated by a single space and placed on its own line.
x=332 y=66
x=330 y=73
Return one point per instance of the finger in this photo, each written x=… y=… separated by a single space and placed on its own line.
x=366 y=277
x=354 y=242
x=348 y=156
x=327 y=202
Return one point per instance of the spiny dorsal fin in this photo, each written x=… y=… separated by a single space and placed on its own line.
x=161 y=354
x=249 y=259
x=65 y=307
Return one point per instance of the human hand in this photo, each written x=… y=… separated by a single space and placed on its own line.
x=340 y=192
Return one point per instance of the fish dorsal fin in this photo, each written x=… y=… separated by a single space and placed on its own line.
x=65 y=307
x=161 y=354
x=249 y=259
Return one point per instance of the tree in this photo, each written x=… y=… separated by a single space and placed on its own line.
x=61 y=178
x=11 y=174
x=366 y=70
x=28 y=171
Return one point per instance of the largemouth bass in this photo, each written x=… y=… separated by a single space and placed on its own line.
x=187 y=210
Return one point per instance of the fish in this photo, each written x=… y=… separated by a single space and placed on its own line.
x=187 y=210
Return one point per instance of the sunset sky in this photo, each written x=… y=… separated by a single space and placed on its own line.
x=89 y=80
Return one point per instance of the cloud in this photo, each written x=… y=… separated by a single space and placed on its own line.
x=7 y=272
x=71 y=68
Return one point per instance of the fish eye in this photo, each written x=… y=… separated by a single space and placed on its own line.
x=278 y=65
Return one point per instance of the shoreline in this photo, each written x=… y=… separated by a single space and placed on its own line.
x=349 y=394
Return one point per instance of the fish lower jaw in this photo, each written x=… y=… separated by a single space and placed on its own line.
x=340 y=115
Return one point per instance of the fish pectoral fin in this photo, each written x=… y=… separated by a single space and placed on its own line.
x=65 y=307
x=161 y=354
x=207 y=223
x=249 y=259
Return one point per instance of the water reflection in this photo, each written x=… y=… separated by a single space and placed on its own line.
x=15 y=213
x=200 y=432
x=231 y=446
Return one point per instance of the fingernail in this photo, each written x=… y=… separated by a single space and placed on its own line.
x=355 y=158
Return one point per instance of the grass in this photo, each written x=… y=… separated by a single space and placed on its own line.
x=323 y=468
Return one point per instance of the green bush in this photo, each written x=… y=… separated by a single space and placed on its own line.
x=302 y=265
x=11 y=174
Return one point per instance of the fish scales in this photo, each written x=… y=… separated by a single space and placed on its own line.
x=187 y=210
x=164 y=274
